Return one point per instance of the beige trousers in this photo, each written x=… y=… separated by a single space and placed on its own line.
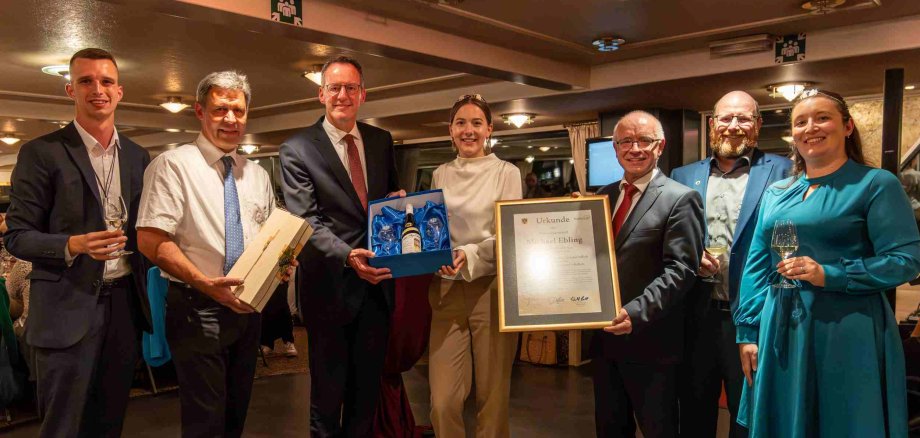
x=465 y=342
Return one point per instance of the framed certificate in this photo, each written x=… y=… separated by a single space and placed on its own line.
x=556 y=266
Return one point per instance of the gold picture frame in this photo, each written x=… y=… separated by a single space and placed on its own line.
x=555 y=242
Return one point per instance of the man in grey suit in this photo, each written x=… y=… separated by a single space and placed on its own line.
x=330 y=171
x=658 y=228
x=88 y=303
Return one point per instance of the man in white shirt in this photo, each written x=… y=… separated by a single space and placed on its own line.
x=88 y=301
x=201 y=205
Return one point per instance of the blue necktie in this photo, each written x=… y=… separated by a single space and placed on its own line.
x=233 y=226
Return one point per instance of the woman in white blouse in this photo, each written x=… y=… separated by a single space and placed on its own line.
x=464 y=326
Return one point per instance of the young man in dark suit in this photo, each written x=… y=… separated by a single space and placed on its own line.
x=88 y=303
x=731 y=183
x=330 y=171
x=658 y=228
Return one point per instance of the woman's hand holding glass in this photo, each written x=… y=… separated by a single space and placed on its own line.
x=459 y=262
x=802 y=268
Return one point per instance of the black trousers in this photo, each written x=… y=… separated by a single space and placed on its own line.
x=711 y=358
x=276 y=318
x=214 y=350
x=83 y=389
x=346 y=363
x=622 y=389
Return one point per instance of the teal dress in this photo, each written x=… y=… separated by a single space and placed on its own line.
x=830 y=362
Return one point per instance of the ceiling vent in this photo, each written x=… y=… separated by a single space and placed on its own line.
x=822 y=7
x=740 y=46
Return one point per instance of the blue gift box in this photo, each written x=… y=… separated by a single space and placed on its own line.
x=436 y=250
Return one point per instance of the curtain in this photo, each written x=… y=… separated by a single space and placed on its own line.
x=577 y=136
x=566 y=175
x=525 y=168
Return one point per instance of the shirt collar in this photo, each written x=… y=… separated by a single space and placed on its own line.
x=744 y=160
x=643 y=181
x=336 y=135
x=212 y=154
x=91 y=143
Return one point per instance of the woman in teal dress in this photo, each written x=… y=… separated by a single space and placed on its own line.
x=825 y=359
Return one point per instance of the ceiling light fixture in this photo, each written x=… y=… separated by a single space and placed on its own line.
x=529 y=159
x=9 y=139
x=315 y=74
x=57 y=70
x=571 y=161
x=821 y=7
x=607 y=44
x=174 y=104
x=518 y=119
x=249 y=149
x=493 y=142
x=544 y=148
x=787 y=138
x=910 y=87
x=788 y=90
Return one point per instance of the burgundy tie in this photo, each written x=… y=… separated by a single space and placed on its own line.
x=620 y=216
x=357 y=172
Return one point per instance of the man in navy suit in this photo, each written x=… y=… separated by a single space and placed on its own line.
x=658 y=229
x=330 y=171
x=88 y=303
x=731 y=183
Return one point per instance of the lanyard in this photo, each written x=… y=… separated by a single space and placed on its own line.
x=106 y=183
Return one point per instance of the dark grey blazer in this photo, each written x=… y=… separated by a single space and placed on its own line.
x=54 y=195
x=658 y=253
x=317 y=187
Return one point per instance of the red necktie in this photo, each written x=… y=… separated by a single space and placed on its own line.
x=357 y=172
x=620 y=216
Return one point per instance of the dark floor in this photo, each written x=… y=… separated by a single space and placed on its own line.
x=545 y=402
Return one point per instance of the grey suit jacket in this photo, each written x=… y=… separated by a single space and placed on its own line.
x=54 y=195
x=658 y=254
x=317 y=187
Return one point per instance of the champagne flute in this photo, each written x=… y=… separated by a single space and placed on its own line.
x=388 y=237
x=785 y=243
x=718 y=248
x=433 y=232
x=116 y=214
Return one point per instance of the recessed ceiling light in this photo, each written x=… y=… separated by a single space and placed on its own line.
x=174 y=104
x=315 y=74
x=571 y=161
x=173 y=130
x=493 y=142
x=910 y=87
x=57 y=70
x=544 y=148
x=607 y=44
x=518 y=119
x=9 y=138
x=249 y=149
x=787 y=138
x=529 y=159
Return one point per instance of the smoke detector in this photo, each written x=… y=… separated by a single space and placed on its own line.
x=822 y=7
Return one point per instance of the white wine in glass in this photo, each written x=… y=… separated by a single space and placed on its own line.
x=116 y=214
x=717 y=248
x=785 y=243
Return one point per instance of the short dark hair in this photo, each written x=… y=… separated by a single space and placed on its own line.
x=92 y=53
x=342 y=59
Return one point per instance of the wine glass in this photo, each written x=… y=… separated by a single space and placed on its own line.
x=116 y=214
x=388 y=238
x=718 y=248
x=433 y=232
x=785 y=243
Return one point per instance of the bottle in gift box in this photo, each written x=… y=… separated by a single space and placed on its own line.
x=411 y=238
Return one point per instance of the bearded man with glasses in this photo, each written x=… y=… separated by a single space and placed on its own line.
x=731 y=182
x=329 y=172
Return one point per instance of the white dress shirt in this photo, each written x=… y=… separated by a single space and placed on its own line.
x=641 y=184
x=184 y=196
x=337 y=137
x=105 y=164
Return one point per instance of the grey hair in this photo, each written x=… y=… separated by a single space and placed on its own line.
x=228 y=80
x=342 y=59
x=659 y=130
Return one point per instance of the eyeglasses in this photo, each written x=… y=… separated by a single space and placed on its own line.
x=470 y=97
x=350 y=89
x=644 y=143
x=745 y=120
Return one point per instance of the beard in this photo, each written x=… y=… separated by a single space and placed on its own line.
x=722 y=148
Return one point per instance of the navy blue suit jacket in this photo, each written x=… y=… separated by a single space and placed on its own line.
x=765 y=170
x=317 y=187
x=54 y=195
